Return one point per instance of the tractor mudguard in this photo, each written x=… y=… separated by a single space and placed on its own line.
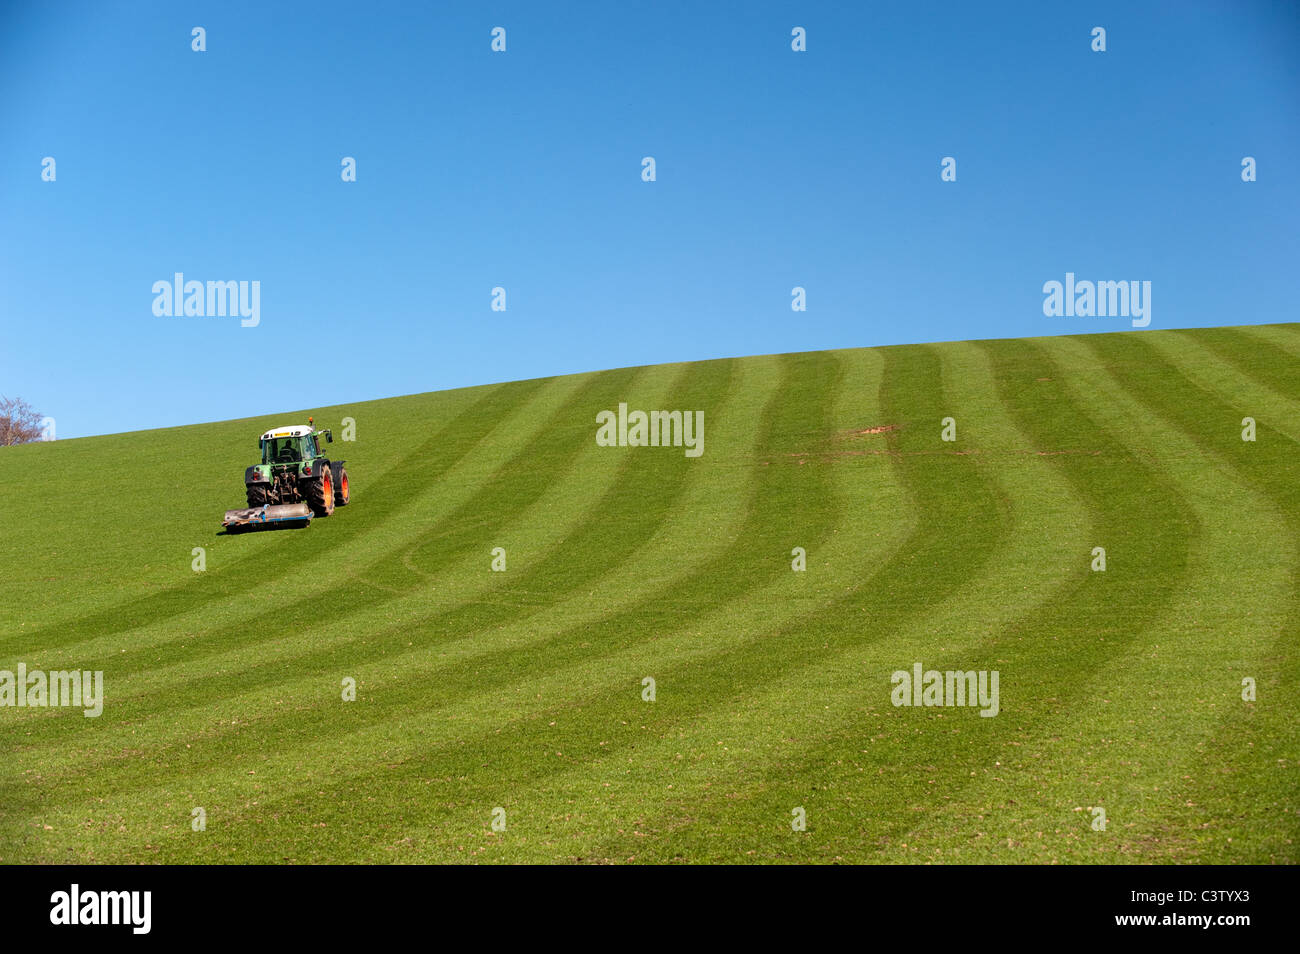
x=258 y=474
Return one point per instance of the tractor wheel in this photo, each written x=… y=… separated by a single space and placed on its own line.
x=341 y=495
x=258 y=495
x=320 y=493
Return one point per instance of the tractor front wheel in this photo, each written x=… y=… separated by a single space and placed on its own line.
x=320 y=493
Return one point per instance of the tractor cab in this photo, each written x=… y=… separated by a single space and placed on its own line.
x=288 y=445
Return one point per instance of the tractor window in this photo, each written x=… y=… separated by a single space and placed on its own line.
x=281 y=450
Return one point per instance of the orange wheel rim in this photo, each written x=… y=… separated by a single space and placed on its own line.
x=329 y=489
x=343 y=485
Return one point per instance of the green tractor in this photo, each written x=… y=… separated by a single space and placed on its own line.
x=295 y=480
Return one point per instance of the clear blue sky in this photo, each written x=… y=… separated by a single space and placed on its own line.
x=523 y=170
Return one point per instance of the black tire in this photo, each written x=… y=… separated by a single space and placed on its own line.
x=341 y=494
x=320 y=492
x=258 y=495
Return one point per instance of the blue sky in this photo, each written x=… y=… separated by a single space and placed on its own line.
x=522 y=170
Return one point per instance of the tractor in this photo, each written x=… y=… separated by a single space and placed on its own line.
x=295 y=480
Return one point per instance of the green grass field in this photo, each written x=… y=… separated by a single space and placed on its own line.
x=522 y=689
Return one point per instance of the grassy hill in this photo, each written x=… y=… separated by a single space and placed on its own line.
x=523 y=689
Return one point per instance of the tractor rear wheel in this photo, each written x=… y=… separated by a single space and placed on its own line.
x=320 y=493
x=258 y=495
x=341 y=495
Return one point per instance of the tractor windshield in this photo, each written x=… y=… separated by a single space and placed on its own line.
x=281 y=450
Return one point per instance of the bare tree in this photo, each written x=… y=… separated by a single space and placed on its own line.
x=20 y=423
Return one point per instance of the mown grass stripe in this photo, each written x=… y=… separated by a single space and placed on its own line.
x=1272 y=366
x=1240 y=394
x=1284 y=336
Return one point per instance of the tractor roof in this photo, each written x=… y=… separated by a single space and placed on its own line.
x=289 y=430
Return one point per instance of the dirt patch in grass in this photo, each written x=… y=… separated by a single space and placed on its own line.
x=866 y=431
